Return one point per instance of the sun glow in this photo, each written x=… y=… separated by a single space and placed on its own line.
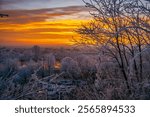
x=58 y=32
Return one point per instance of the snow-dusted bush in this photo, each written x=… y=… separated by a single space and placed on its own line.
x=142 y=70
x=3 y=86
x=146 y=70
x=8 y=67
x=42 y=72
x=23 y=76
x=108 y=70
x=146 y=64
x=36 y=52
x=23 y=59
x=2 y=69
x=51 y=60
x=70 y=66
x=86 y=63
x=140 y=90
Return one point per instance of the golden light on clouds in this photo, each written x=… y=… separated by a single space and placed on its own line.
x=44 y=27
x=45 y=33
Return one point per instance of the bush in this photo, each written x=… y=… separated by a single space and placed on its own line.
x=70 y=67
x=23 y=75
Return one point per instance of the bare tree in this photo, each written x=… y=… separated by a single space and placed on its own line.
x=120 y=28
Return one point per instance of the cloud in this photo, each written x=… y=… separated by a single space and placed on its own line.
x=43 y=26
x=37 y=4
x=50 y=14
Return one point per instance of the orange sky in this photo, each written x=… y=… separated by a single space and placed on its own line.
x=44 y=33
x=44 y=27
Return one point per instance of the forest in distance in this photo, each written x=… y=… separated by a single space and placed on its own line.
x=110 y=61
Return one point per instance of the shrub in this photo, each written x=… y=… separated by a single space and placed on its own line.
x=70 y=67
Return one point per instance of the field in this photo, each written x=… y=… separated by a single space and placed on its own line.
x=64 y=73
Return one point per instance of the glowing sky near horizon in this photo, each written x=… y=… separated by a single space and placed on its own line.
x=41 y=22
